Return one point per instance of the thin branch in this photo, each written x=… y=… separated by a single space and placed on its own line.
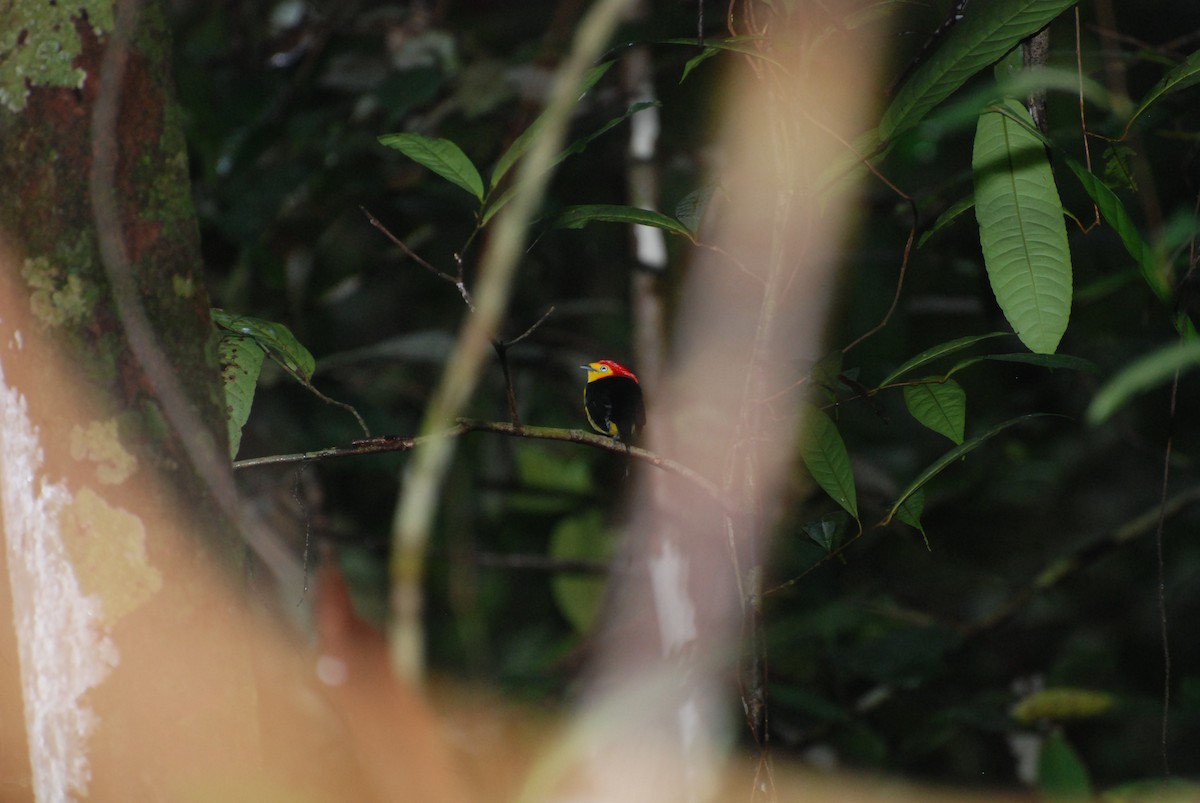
x=530 y=330
x=1082 y=557
x=413 y=255
x=405 y=443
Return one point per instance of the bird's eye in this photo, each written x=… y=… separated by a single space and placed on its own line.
x=604 y=369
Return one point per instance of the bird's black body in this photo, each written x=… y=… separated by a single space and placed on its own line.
x=614 y=406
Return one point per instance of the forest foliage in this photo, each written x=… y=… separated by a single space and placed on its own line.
x=965 y=571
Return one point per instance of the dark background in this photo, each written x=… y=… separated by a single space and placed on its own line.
x=876 y=657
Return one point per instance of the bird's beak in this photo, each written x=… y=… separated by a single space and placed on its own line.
x=586 y=367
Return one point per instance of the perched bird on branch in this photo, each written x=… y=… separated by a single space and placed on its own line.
x=612 y=400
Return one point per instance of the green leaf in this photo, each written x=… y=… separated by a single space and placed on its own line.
x=936 y=352
x=1021 y=227
x=576 y=217
x=1144 y=373
x=951 y=214
x=743 y=45
x=579 y=596
x=1114 y=214
x=273 y=337
x=1051 y=361
x=1061 y=773
x=910 y=512
x=940 y=406
x=695 y=61
x=691 y=208
x=827 y=531
x=952 y=456
x=441 y=156
x=241 y=362
x=1182 y=77
x=1173 y=790
x=576 y=147
x=824 y=453
x=986 y=32
x=521 y=144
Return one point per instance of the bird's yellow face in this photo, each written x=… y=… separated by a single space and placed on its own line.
x=597 y=370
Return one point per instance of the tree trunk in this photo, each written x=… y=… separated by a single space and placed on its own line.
x=101 y=491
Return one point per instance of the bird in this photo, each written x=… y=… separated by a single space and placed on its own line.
x=612 y=401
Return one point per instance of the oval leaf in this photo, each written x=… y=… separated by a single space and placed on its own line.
x=1021 y=227
x=940 y=406
x=940 y=350
x=986 y=32
x=951 y=457
x=1182 y=77
x=824 y=453
x=441 y=156
x=576 y=217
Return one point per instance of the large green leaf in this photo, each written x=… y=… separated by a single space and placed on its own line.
x=441 y=156
x=939 y=405
x=1144 y=373
x=1182 y=77
x=824 y=452
x=986 y=32
x=1021 y=226
x=951 y=457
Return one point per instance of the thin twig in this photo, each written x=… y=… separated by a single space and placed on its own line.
x=403 y=443
x=413 y=255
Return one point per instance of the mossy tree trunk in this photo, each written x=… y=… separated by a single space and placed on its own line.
x=108 y=502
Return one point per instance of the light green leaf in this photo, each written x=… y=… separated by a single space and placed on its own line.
x=986 y=32
x=521 y=144
x=951 y=457
x=824 y=453
x=1021 y=227
x=1144 y=373
x=1114 y=214
x=936 y=352
x=580 y=596
x=241 y=363
x=940 y=406
x=1061 y=773
x=441 y=156
x=576 y=217
x=275 y=338
x=1182 y=77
